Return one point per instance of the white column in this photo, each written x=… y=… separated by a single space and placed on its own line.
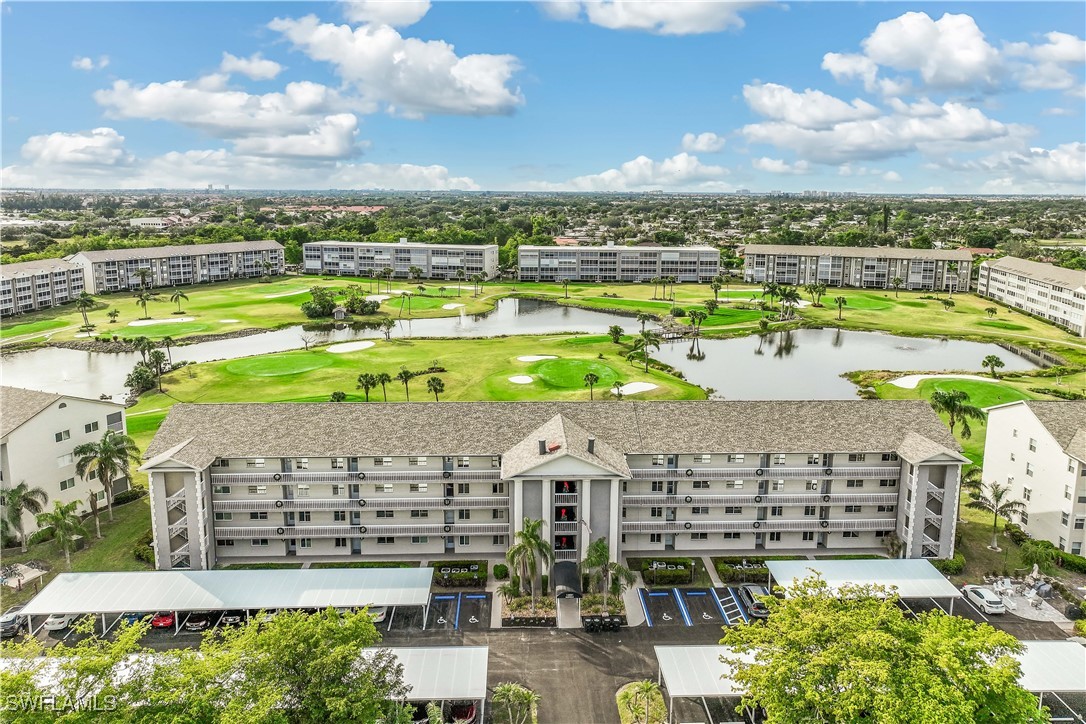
x=516 y=507
x=614 y=535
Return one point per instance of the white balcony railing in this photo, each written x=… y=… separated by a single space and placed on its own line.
x=566 y=498
x=753 y=526
x=360 y=531
x=935 y=492
x=763 y=499
x=565 y=555
x=180 y=528
x=770 y=472
x=220 y=505
x=177 y=500
x=566 y=527
x=365 y=476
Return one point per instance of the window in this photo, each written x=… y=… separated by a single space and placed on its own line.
x=1032 y=445
x=221 y=489
x=1014 y=432
x=778 y=485
x=814 y=459
x=261 y=515
x=497 y=489
x=420 y=514
x=655 y=538
x=305 y=542
x=339 y=463
x=224 y=542
x=854 y=483
x=341 y=543
x=91 y=427
x=657 y=486
x=498 y=514
x=733 y=484
x=100 y=496
x=463 y=462
x=699 y=510
x=305 y=516
x=888 y=483
x=850 y=534
x=1064 y=518
x=1070 y=465
x=777 y=510
x=736 y=458
x=65 y=460
x=1026 y=493
x=857 y=457
x=701 y=485
x=811 y=485
x=733 y=510
x=258 y=490
x=656 y=512
x=301 y=463
x=657 y=459
x=853 y=509
x=732 y=536
x=92 y=474
x=1076 y=548
x=386 y=514
x=418 y=487
x=699 y=536
x=889 y=457
x=1063 y=543
x=67 y=484
x=1023 y=518
x=703 y=459
x=775 y=537
x=809 y=510
x=1012 y=457
x=115 y=421
x=463 y=488
x=302 y=491
x=382 y=488
x=254 y=463
x=419 y=539
x=624 y=512
x=63 y=435
x=419 y=461
x=385 y=540
x=887 y=508
x=808 y=535
x=339 y=516
x=224 y=516
x=1029 y=469
x=1080 y=523
x=259 y=542
x=624 y=487
x=1067 y=491
x=220 y=463
x=382 y=462
x=780 y=459
x=464 y=540
x=495 y=461
x=463 y=515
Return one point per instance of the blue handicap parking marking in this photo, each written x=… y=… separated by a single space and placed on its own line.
x=645 y=606
x=682 y=607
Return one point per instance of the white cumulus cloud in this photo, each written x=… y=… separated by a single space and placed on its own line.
x=397 y=13
x=663 y=17
x=707 y=142
x=333 y=137
x=809 y=109
x=100 y=147
x=85 y=63
x=681 y=171
x=776 y=165
x=255 y=67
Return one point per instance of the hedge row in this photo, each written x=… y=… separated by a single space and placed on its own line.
x=128 y=496
x=460 y=574
x=143 y=550
x=950 y=566
x=1066 y=560
x=667 y=576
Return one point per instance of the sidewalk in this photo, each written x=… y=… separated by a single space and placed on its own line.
x=635 y=615
x=711 y=570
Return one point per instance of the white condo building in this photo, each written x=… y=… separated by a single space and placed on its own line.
x=29 y=285
x=114 y=270
x=39 y=431
x=1039 y=449
x=425 y=480
x=612 y=263
x=865 y=267
x=364 y=258
x=1043 y=290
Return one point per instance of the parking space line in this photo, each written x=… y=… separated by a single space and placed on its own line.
x=682 y=607
x=731 y=592
x=645 y=606
x=720 y=607
x=459 y=600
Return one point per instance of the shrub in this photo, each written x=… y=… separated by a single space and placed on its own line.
x=1015 y=533
x=1080 y=627
x=143 y=550
x=1075 y=612
x=678 y=312
x=950 y=566
x=1055 y=392
x=127 y=496
x=672 y=574
x=1071 y=562
x=515 y=582
x=501 y=571
x=461 y=574
x=546 y=582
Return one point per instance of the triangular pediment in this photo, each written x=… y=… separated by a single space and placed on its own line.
x=566 y=451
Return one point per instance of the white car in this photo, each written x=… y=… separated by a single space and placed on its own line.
x=984 y=599
x=379 y=613
x=60 y=621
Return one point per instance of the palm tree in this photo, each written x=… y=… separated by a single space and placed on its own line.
x=770 y=289
x=414 y=272
x=477 y=284
x=435 y=385
x=948 y=304
x=168 y=342
x=108 y=458
x=441 y=291
x=642 y=694
x=143 y=345
x=142 y=298
x=616 y=389
x=991 y=311
x=84 y=302
x=655 y=283
x=954 y=404
x=716 y=286
x=383 y=378
x=386 y=325
x=896 y=283
x=642 y=344
x=22 y=499
x=518 y=702
x=461 y=275
x=604 y=573
x=64 y=524
x=157 y=358
x=840 y=302
x=993 y=363
x=92 y=501
x=590 y=381
x=176 y=298
x=145 y=277
x=671 y=281
x=971 y=483
x=789 y=300
x=711 y=305
x=530 y=553
x=405 y=376
x=996 y=501
x=696 y=318
x=367 y=381
x=113 y=314
x=644 y=318
x=952 y=269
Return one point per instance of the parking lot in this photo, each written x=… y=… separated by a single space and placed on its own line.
x=459 y=611
x=692 y=607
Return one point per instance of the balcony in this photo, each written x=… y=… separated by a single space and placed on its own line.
x=369 y=476
x=565 y=555
x=220 y=505
x=361 y=531
x=770 y=472
x=566 y=527
x=566 y=498
x=749 y=526
x=763 y=499
x=175 y=501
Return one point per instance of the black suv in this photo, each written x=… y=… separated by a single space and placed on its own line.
x=198 y=622
x=749 y=594
x=12 y=623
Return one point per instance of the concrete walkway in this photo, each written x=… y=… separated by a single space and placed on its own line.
x=569 y=613
x=711 y=570
x=635 y=615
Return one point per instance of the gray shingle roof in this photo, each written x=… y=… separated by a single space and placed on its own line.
x=1066 y=421
x=399 y=245
x=1069 y=278
x=572 y=440
x=163 y=252
x=882 y=252
x=18 y=405
x=29 y=268
x=492 y=428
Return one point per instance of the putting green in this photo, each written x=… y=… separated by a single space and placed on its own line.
x=290 y=363
x=1001 y=325
x=866 y=302
x=981 y=394
x=569 y=373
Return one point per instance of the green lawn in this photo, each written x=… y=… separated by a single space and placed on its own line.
x=367 y=564
x=41 y=325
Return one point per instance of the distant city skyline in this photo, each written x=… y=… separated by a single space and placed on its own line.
x=907 y=98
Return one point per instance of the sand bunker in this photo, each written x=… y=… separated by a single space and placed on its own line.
x=377 y=297
x=521 y=380
x=286 y=294
x=909 y=382
x=536 y=357
x=451 y=306
x=229 y=321
x=349 y=347
x=149 y=322
x=635 y=387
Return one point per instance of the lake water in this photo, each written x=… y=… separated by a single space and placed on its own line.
x=794 y=365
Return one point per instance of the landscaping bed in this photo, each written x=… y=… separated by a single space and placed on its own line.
x=517 y=612
x=668 y=572
x=746 y=569
x=367 y=564
x=460 y=574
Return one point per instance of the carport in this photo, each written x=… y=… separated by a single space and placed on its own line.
x=696 y=672
x=1055 y=668
x=910 y=578
x=445 y=673
x=184 y=592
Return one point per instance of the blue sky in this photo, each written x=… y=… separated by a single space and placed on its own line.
x=592 y=96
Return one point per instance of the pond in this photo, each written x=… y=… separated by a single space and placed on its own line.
x=807 y=364
x=804 y=364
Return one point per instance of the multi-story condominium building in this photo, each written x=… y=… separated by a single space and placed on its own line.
x=364 y=258
x=612 y=263
x=867 y=267
x=1046 y=291
x=154 y=223
x=1039 y=450
x=30 y=285
x=170 y=266
x=432 y=479
x=39 y=431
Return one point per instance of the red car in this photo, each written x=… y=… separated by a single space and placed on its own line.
x=163 y=620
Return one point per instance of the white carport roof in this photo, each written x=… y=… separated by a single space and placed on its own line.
x=445 y=672
x=911 y=577
x=696 y=671
x=1053 y=666
x=118 y=592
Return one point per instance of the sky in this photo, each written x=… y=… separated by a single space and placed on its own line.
x=616 y=95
